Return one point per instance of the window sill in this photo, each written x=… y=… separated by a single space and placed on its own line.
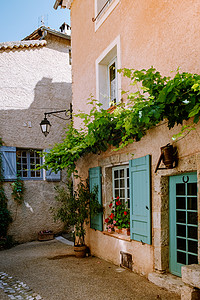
x=118 y=236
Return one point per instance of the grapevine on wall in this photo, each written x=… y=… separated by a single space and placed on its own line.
x=155 y=99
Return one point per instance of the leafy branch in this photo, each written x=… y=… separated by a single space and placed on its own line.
x=18 y=189
x=155 y=98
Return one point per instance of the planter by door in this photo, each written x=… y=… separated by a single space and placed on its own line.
x=80 y=251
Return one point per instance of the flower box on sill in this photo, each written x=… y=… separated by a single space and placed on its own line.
x=46 y=235
x=126 y=231
x=117 y=230
x=119 y=218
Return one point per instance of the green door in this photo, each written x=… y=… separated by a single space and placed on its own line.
x=183 y=221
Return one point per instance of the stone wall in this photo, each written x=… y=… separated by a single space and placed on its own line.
x=34 y=81
x=146 y=258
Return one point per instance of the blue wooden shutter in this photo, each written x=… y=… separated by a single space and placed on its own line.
x=50 y=175
x=9 y=164
x=95 y=180
x=140 y=199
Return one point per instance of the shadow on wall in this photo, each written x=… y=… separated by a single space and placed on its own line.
x=21 y=127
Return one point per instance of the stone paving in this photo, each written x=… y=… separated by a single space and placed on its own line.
x=50 y=271
x=15 y=289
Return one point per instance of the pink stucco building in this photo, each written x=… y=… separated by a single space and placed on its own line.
x=109 y=35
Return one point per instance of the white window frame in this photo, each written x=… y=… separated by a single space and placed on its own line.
x=118 y=168
x=109 y=81
x=113 y=51
x=105 y=13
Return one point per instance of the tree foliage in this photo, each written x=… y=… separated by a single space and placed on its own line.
x=75 y=207
x=155 y=98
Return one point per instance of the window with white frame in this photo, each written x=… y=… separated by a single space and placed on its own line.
x=120 y=183
x=103 y=8
x=27 y=163
x=112 y=81
x=108 y=80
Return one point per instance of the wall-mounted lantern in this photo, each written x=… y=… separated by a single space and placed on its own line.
x=169 y=156
x=45 y=125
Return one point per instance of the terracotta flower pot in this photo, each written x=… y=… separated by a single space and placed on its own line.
x=126 y=231
x=117 y=230
x=80 y=251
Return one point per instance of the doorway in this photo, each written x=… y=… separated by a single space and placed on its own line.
x=183 y=222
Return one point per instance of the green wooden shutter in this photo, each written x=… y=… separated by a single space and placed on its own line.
x=50 y=175
x=140 y=199
x=95 y=180
x=9 y=164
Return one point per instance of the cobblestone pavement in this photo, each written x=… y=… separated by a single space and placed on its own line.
x=50 y=271
x=15 y=289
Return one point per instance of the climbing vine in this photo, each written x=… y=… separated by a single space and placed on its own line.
x=155 y=99
x=5 y=215
x=18 y=189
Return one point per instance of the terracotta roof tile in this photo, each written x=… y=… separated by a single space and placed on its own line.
x=22 y=44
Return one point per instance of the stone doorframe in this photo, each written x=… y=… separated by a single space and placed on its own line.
x=160 y=210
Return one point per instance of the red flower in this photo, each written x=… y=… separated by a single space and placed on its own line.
x=106 y=220
x=117 y=197
x=112 y=216
x=125 y=212
x=118 y=203
x=110 y=205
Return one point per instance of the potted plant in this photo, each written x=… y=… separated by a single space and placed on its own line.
x=119 y=219
x=75 y=210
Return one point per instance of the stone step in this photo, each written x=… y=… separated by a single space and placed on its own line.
x=167 y=281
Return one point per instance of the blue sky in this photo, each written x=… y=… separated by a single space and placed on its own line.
x=19 y=18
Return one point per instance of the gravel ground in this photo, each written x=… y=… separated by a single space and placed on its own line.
x=50 y=271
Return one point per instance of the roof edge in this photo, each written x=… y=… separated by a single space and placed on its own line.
x=48 y=30
x=22 y=44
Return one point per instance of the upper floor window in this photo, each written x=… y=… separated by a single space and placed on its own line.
x=102 y=10
x=27 y=162
x=108 y=80
x=101 y=7
x=112 y=81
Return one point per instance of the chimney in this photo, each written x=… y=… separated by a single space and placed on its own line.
x=65 y=28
